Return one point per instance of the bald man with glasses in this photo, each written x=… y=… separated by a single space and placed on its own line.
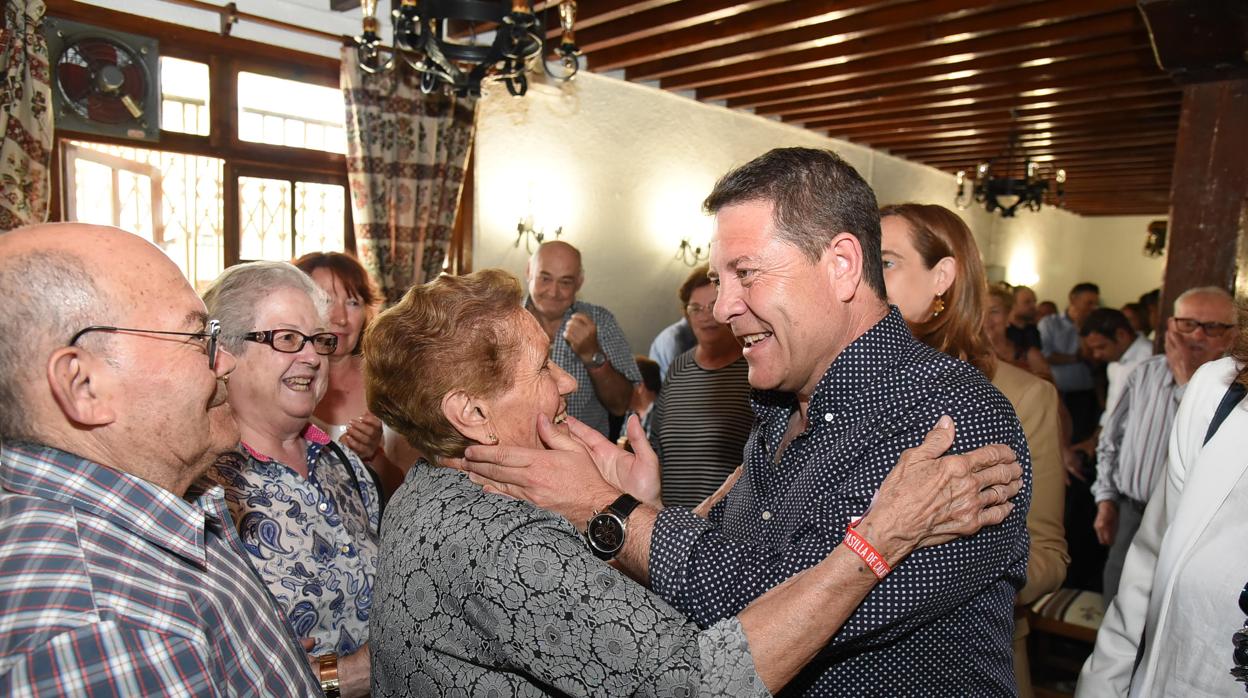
x=1134 y=442
x=114 y=581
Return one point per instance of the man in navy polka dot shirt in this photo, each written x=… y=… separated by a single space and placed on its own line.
x=841 y=388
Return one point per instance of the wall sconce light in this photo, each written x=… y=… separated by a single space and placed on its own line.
x=525 y=232
x=690 y=255
x=1155 y=243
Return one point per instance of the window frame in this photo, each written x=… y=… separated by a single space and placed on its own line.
x=225 y=57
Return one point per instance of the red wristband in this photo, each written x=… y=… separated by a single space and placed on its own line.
x=867 y=552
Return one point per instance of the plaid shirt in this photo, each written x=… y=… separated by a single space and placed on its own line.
x=110 y=585
x=584 y=403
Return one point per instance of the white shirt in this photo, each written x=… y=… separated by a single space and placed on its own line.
x=1179 y=595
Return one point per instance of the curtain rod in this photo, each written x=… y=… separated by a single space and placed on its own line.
x=230 y=16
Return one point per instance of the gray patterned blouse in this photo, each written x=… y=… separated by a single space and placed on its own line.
x=480 y=595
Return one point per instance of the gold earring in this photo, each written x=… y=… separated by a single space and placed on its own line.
x=938 y=306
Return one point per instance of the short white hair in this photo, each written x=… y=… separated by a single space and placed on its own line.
x=236 y=294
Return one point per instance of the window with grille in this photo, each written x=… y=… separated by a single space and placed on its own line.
x=250 y=163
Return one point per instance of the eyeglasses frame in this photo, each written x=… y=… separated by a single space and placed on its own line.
x=266 y=337
x=212 y=334
x=1221 y=327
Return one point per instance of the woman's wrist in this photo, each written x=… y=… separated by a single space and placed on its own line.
x=885 y=539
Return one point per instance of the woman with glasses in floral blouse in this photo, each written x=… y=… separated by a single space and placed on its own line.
x=307 y=509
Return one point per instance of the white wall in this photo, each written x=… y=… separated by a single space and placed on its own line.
x=624 y=168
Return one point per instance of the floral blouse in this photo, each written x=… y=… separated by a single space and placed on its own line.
x=482 y=595
x=313 y=541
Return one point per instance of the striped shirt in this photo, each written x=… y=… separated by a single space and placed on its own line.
x=110 y=585
x=701 y=422
x=584 y=403
x=1135 y=438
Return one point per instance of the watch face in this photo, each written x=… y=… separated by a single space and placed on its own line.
x=606 y=533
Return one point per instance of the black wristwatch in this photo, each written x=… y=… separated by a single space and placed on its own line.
x=598 y=360
x=606 y=530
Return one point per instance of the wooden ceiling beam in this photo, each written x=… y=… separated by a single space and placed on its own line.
x=686 y=18
x=998 y=145
x=941 y=42
x=958 y=118
x=1141 y=156
x=880 y=74
x=697 y=28
x=1002 y=133
x=1055 y=76
x=1004 y=125
x=1053 y=89
x=1094 y=100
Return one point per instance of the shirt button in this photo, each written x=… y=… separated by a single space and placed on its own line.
x=766 y=515
x=827 y=416
x=323 y=506
x=345 y=549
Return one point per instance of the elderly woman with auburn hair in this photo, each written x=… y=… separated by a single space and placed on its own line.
x=934 y=276
x=480 y=594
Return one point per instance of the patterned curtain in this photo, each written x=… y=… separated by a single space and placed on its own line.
x=406 y=158
x=25 y=116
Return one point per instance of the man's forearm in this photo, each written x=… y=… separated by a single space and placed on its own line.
x=612 y=388
x=634 y=558
x=792 y=622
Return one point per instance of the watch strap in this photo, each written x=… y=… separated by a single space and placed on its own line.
x=623 y=506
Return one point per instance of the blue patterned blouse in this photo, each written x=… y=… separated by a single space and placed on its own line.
x=313 y=540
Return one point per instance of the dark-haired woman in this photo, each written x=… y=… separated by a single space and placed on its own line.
x=342 y=413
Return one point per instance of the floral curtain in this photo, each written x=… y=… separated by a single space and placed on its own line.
x=25 y=115
x=406 y=158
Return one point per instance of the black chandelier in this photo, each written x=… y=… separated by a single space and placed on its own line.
x=1009 y=181
x=425 y=40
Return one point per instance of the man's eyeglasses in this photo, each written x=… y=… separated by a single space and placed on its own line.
x=1188 y=326
x=292 y=341
x=211 y=335
x=695 y=309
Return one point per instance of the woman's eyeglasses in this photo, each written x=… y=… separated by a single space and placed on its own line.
x=211 y=337
x=292 y=341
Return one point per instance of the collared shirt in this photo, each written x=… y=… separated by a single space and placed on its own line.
x=1131 y=452
x=1058 y=334
x=1116 y=372
x=584 y=403
x=913 y=635
x=313 y=540
x=110 y=585
x=675 y=339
